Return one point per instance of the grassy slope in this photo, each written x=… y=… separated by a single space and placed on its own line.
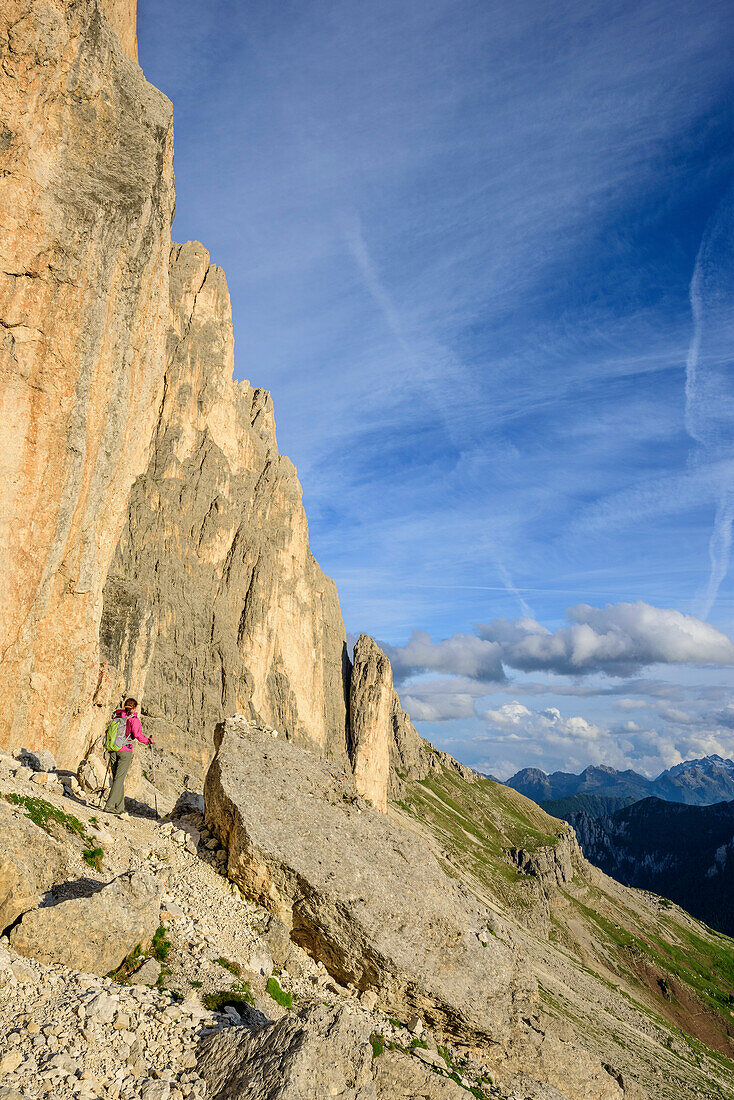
x=640 y=981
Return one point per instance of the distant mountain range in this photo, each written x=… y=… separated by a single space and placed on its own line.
x=595 y=805
x=694 y=782
x=684 y=852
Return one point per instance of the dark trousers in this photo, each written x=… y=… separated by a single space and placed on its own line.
x=121 y=762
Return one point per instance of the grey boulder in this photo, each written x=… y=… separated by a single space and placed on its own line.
x=93 y=934
x=31 y=862
x=361 y=894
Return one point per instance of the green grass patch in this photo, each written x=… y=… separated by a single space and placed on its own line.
x=43 y=814
x=238 y=997
x=377 y=1042
x=160 y=944
x=93 y=856
x=418 y=1044
x=285 y=1000
x=196 y=985
x=126 y=968
x=232 y=967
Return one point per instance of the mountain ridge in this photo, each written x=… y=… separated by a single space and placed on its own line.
x=698 y=782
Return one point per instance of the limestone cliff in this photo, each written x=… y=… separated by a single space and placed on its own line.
x=370 y=704
x=214 y=603
x=86 y=187
x=122 y=17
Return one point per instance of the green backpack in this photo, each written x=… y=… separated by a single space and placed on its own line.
x=115 y=735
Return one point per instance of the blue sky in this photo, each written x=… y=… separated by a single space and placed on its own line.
x=482 y=255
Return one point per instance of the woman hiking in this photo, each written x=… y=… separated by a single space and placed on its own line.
x=122 y=757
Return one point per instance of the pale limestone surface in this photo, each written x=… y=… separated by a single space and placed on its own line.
x=123 y=16
x=358 y=891
x=370 y=703
x=214 y=602
x=93 y=934
x=31 y=862
x=86 y=189
x=322 y=1051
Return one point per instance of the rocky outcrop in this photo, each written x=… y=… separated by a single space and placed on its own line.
x=31 y=862
x=93 y=934
x=214 y=602
x=370 y=705
x=86 y=187
x=319 y=1052
x=367 y=898
x=122 y=16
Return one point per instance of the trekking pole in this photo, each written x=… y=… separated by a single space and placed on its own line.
x=104 y=781
x=152 y=772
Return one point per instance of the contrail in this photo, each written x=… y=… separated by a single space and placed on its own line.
x=709 y=415
x=513 y=590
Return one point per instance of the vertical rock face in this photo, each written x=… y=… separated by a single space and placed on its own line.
x=370 y=705
x=122 y=16
x=214 y=603
x=86 y=187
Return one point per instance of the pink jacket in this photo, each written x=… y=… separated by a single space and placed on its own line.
x=133 y=729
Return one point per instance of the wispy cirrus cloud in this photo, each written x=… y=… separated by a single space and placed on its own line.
x=459 y=241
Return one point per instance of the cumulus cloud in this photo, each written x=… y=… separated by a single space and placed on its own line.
x=548 y=739
x=439 y=707
x=723 y=717
x=617 y=639
x=459 y=655
x=548 y=726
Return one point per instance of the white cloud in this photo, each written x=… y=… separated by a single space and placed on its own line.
x=460 y=655
x=439 y=708
x=617 y=639
x=547 y=725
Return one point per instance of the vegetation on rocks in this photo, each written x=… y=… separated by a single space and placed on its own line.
x=45 y=815
x=285 y=1000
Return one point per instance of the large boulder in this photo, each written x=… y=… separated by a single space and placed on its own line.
x=319 y=1052
x=322 y=1051
x=31 y=862
x=356 y=890
x=96 y=933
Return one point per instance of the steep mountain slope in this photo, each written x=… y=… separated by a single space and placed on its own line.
x=695 y=782
x=595 y=805
x=86 y=187
x=685 y=853
x=626 y=974
x=214 y=602
x=127 y=439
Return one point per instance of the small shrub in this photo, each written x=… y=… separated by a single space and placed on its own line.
x=418 y=1044
x=396 y=1023
x=377 y=1042
x=93 y=856
x=196 y=985
x=127 y=966
x=233 y=968
x=160 y=945
x=238 y=997
x=285 y=1000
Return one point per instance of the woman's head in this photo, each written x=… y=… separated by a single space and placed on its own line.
x=130 y=704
